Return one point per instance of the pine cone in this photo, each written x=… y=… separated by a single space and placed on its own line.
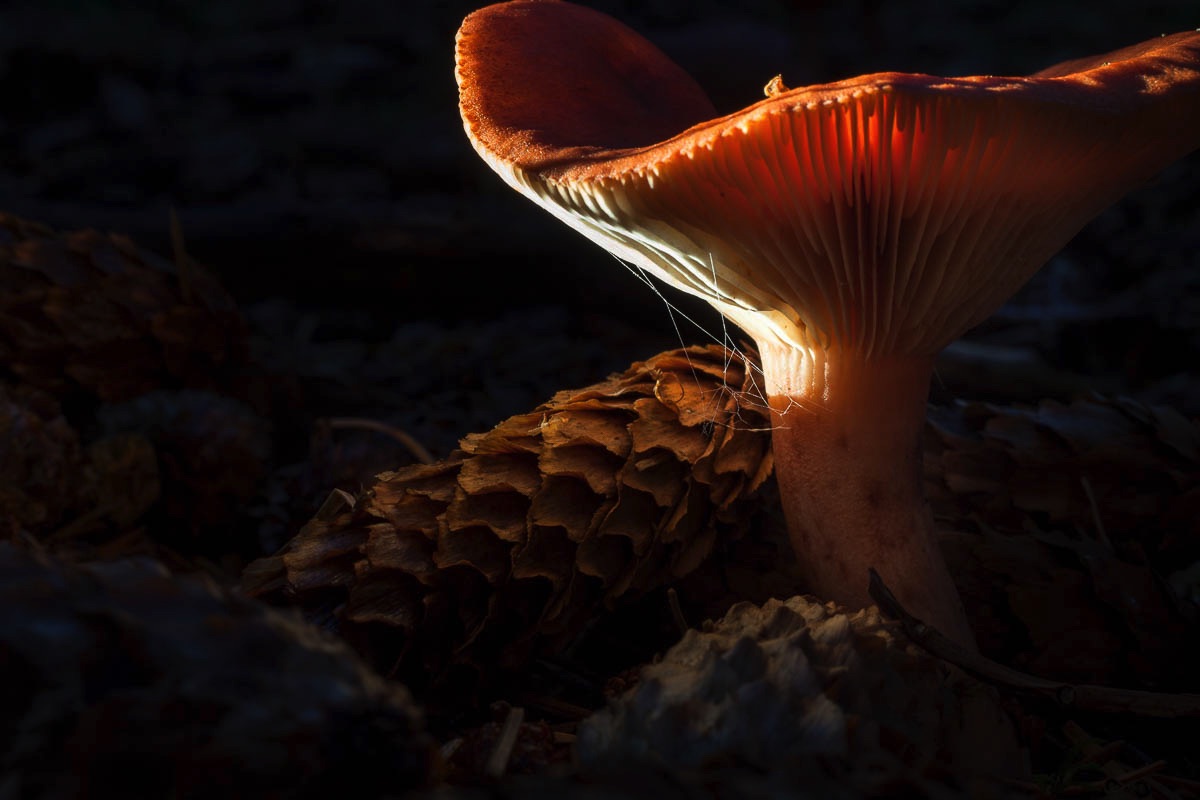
x=122 y=681
x=211 y=451
x=794 y=681
x=41 y=462
x=517 y=538
x=85 y=311
x=169 y=474
x=61 y=493
x=1131 y=469
x=1059 y=523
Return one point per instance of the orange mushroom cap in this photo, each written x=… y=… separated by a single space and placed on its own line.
x=884 y=214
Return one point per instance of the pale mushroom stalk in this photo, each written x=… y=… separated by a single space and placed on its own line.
x=852 y=229
x=847 y=445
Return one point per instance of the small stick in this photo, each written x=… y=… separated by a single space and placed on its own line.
x=677 y=611
x=1180 y=783
x=1141 y=772
x=335 y=501
x=497 y=762
x=414 y=447
x=563 y=709
x=1104 y=757
x=451 y=747
x=1096 y=753
x=1083 y=696
x=183 y=262
x=1095 y=507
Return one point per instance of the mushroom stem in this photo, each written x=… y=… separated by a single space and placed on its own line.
x=847 y=443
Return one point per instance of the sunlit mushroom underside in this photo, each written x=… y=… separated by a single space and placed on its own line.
x=884 y=214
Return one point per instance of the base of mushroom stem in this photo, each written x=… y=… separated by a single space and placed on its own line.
x=847 y=446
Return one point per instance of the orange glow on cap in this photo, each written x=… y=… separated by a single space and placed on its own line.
x=884 y=214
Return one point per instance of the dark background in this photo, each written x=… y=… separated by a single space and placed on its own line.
x=314 y=154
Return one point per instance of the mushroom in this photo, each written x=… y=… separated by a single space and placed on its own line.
x=852 y=229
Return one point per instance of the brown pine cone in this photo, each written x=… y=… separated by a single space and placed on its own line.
x=516 y=539
x=1103 y=469
x=211 y=451
x=1060 y=524
x=77 y=501
x=795 y=681
x=41 y=462
x=170 y=474
x=90 y=312
x=122 y=681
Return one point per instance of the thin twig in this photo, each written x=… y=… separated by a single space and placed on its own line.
x=81 y=525
x=1102 y=534
x=450 y=748
x=1137 y=773
x=1104 y=756
x=497 y=762
x=1180 y=783
x=563 y=709
x=414 y=447
x=677 y=611
x=1082 y=696
x=184 y=266
x=1026 y=786
x=335 y=502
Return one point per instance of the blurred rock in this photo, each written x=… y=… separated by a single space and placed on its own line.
x=121 y=680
